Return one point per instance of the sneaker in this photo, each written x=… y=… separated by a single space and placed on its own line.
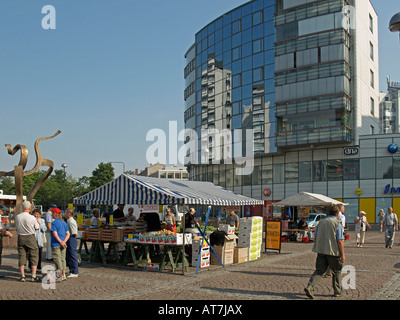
x=35 y=279
x=72 y=275
x=22 y=279
x=63 y=277
x=308 y=293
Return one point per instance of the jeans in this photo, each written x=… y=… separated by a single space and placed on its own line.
x=72 y=257
x=321 y=265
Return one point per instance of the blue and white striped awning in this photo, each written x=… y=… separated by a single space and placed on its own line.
x=129 y=189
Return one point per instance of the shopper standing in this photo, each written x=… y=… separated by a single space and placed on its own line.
x=329 y=246
x=27 y=225
x=381 y=215
x=3 y=232
x=361 y=224
x=39 y=236
x=59 y=238
x=391 y=225
x=49 y=219
x=72 y=244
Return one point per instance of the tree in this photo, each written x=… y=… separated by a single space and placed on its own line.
x=7 y=185
x=101 y=175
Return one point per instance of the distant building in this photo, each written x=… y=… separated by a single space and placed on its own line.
x=161 y=171
x=389 y=108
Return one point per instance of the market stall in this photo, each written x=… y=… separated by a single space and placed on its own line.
x=129 y=189
x=303 y=201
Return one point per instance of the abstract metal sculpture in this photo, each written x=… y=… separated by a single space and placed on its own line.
x=19 y=173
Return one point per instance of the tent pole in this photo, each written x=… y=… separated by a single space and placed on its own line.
x=202 y=239
x=183 y=243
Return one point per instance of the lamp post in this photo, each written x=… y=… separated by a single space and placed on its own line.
x=64 y=165
x=394 y=24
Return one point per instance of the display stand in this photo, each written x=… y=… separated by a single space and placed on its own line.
x=204 y=238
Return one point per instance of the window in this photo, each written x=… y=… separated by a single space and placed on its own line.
x=257 y=17
x=372 y=79
x=372 y=106
x=371 y=50
x=371 y=23
x=236 y=26
x=367 y=168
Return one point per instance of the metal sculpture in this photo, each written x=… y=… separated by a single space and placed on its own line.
x=18 y=172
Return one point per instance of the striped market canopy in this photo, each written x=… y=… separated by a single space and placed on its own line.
x=129 y=189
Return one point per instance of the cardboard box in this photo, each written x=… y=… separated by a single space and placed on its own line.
x=226 y=256
x=227 y=228
x=240 y=255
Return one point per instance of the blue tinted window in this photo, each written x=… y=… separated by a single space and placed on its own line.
x=247 y=91
x=269 y=71
x=258 y=32
x=246 y=77
x=204 y=44
x=246 y=36
x=211 y=28
x=227 y=58
x=218 y=24
x=247 y=63
x=236 y=80
x=236 y=26
x=257 y=5
x=218 y=48
x=269 y=42
x=237 y=94
x=227 y=45
x=246 y=9
x=237 y=67
x=237 y=122
x=257 y=18
x=258 y=60
x=236 y=40
x=247 y=49
x=258 y=46
x=218 y=35
x=211 y=40
x=247 y=22
x=226 y=31
x=236 y=54
x=227 y=19
x=258 y=74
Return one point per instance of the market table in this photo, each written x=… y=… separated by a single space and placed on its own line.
x=97 y=250
x=171 y=255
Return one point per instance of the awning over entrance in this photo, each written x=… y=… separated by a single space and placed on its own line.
x=129 y=189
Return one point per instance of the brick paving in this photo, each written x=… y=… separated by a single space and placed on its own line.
x=276 y=276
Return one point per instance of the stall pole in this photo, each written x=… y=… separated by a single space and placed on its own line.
x=204 y=238
x=183 y=243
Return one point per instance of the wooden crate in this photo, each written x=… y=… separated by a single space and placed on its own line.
x=114 y=235
x=94 y=234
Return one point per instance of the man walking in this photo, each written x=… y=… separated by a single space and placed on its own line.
x=391 y=225
x=329 y=246
x=27 y=245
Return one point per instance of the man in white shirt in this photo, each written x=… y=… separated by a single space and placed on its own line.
x=27 y=225
x=391 y=225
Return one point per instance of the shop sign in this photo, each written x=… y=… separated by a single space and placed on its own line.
x=350 y=151
x=273 y=231
x=391 y=190
x=393 y=148
x=267 y=192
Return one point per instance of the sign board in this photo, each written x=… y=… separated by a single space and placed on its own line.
x=273 y=231
x=350 y=151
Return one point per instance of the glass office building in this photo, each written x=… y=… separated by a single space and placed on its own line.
x=302 y=77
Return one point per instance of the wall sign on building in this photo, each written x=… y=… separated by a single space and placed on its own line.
x=350 y=151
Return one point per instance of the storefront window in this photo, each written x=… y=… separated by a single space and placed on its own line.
x=351 y=169
x=367 y=168
x=396 y=168
x=319 y=171
x=292 y=172
x=305 y=172
x=384 y=169
x=279 y=173
x=335 y=170
x=351 y=211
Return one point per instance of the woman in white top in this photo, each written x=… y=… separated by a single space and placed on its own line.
x=361 y=224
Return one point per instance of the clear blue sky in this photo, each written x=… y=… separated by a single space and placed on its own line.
x=111 y=71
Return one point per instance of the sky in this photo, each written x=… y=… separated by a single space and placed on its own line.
x=109 y=73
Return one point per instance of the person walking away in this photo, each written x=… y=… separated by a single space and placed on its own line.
x=391 y=225
x=27 y=225
x=72 y=244
x=3 y=232
x=381 y=215
x=361 y=224
x=59 y=238
x=49 y=219
x=329 y=246
x=39 y=234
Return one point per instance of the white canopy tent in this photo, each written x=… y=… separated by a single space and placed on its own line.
x=306 y=199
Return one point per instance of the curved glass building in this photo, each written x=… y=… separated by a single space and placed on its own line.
x=279 y=94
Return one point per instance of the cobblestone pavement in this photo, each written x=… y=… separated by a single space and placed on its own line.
x=276 y=276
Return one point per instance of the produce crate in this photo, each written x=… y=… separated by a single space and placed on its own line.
x=114 y=235
x=94 y=234
x=140 y=227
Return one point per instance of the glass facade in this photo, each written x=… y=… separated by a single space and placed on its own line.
x=313 y=74
x=229 y=77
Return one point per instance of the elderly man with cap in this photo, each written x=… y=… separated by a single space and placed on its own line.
x=48 y=220
x=361 y=224
x=3 y=232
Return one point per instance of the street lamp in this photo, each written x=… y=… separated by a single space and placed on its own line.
x=64 y=165
x=394 y=24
